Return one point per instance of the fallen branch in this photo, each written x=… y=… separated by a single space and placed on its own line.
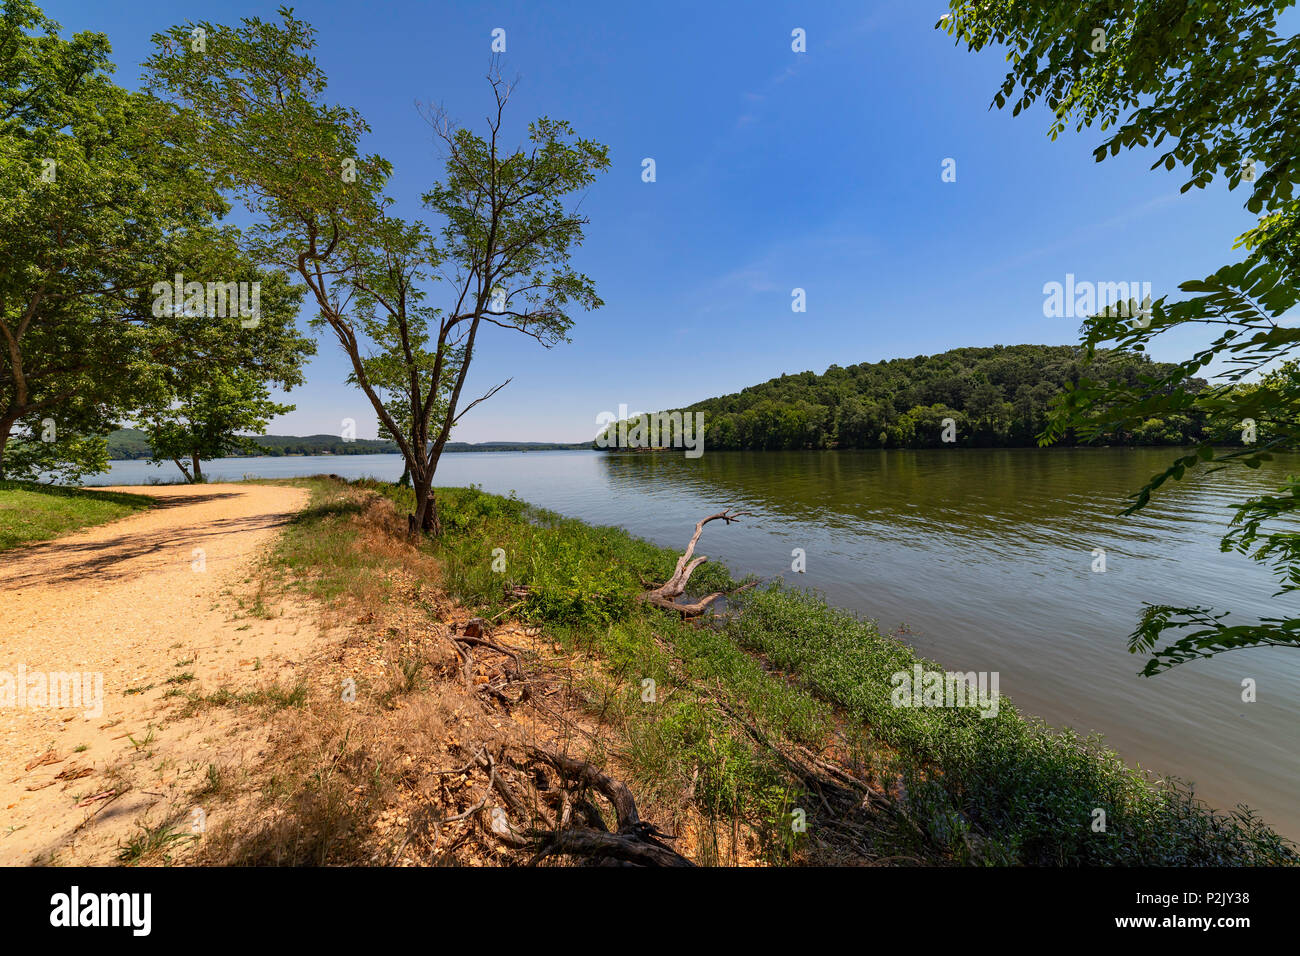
x=665 y=596
x=476 y=634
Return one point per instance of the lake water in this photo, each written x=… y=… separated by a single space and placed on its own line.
x=983 y=557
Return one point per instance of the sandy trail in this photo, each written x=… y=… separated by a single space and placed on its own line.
x=146 y=603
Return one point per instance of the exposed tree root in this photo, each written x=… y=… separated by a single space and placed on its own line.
x=576 y=828
x=573 y=826
x=636 y=842
x=474 y=635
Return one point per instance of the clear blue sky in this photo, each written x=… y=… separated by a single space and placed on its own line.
x=776 y=170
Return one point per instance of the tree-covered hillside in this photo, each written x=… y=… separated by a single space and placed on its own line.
x=995 y=396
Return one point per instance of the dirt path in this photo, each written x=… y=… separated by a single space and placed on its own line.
x=146 y=605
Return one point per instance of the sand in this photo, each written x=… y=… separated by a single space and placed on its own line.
x=142 y=601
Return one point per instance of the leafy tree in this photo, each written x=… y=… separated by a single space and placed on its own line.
x=78 y=214
x=208 y=418
x=40 y=447
x=97 y=204
x=208 y=400
x=1216 y=88
x=254 y=101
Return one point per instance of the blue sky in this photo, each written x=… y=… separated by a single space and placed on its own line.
x=775 y=170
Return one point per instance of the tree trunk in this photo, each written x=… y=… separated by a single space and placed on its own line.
x=425 y=520
x=5 y=428
x=198 y=473
x=419 y=521
x=184 y=470
x=432 y=524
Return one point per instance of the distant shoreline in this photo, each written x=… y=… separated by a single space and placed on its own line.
x=117 y=454
x=643 y=451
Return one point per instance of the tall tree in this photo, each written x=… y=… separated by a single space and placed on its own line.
x=254 y=100
x=207 y=419
x=82 y=202
x=507 y=238
x=1216 y=88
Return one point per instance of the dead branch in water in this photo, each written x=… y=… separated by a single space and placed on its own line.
x=665 y=596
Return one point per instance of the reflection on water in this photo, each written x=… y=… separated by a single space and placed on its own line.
x=984 y=555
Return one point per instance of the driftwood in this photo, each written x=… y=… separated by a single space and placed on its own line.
x=665 y=596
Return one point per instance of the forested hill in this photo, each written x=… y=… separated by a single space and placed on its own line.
x=996 y=396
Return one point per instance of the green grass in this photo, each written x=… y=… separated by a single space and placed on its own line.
x=315 y=552
x=272 y=697
x=583 y=583
x=32 y=512
x=579 y=575
x=154 y=843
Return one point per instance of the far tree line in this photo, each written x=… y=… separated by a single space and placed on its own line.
x=131 y=444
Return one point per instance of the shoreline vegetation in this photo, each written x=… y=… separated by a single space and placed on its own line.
x=763 y=734
x=515 y=646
